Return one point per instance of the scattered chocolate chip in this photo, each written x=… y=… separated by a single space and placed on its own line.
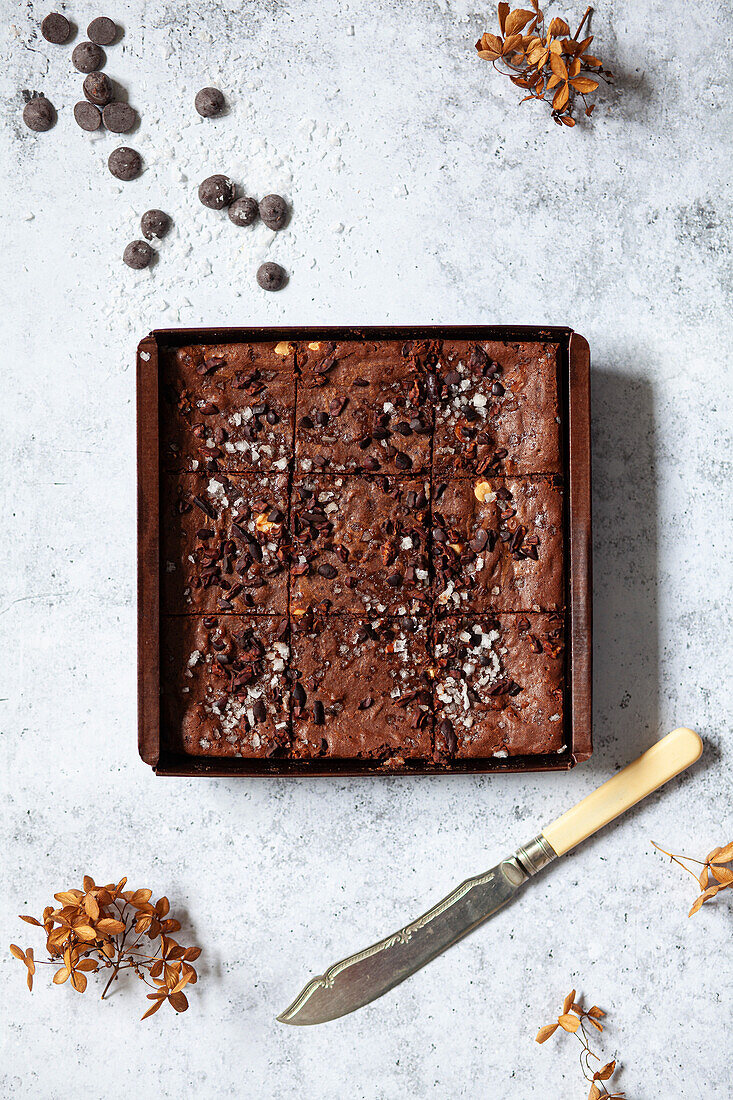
x=87 y=57
x=271 y=276
x=216 y=192
x=327 y=571
x=497 y=389
x=87 y=115
x=138 y=255
x=39 y=114
x=259 y=710
x=209 y=102
x=154 y=224
x=102 y=31
x=125 y=163
x=56 y=28
x=299 y=695
x=273 y=211
x=243 y=211
x=319 y=714
x=119 y=118
x=98 y=88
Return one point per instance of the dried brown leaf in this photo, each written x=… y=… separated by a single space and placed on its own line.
x=91 y=906
x=723 y=855
x=503 y=12
x=61 y=975
x=605 y=1073
x=31 y=920
x=178 y=1001
x=561 y=98
x=17 y=952
x=558 y=27
x=723 y=875
x=584 y=84
x=153 y=1008
x=568 y=1001
x=517 y=21
x=108 y=926
x=568 y=1022
x=79 y=981
x=545 y=1032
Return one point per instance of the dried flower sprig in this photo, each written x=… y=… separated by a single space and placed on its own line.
x=576 y=1020
x=104 y=928
x=546 y=62
x=714 y=876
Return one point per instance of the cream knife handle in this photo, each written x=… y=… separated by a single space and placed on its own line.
x=661 y=762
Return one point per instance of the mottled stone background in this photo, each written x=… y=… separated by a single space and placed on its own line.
x=421 y=191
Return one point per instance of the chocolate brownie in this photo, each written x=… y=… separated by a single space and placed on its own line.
x=498 y=686
x=360 y=543
x=224 y=542
x=230 y=407
x=498 y=409
x=224 y=687
x=497 y=544
x=361 y=407
x=361 y=689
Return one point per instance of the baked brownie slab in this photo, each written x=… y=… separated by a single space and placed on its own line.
x=498 y=685
x=360 y=543
x=223 y=684
x=224 y=542
x=361 y=407
x=361 y=689
x=498 y=408
x=230 y=407
x=497 y=544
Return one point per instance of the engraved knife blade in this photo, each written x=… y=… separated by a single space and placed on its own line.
x=361 y=978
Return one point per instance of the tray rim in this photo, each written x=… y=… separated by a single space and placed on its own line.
x=575 y=398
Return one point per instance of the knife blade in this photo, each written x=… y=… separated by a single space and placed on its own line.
x=361 y=978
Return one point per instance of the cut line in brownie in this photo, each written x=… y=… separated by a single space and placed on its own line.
x=224 y=542
x=360 y=543
x=499 y=683
x=224 y=689
x=498 y=410
x=229 y=407
x=497 y=544
x=362 y=407
x=361 y=690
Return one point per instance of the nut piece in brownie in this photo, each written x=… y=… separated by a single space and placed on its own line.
x=498 y=408
x=224 y=542
x=497 y=544
x=229 y=407
x=360 y=689
x=498 y=686
x=359 y=543
x=361 y=407
x=224 y=688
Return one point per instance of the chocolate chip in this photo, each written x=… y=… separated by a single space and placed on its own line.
x=138 y=255
x=102 y=31
x=327 y=571
x=98 y=88
x=125 y=163
x=119 y=118
x=39 y=114
x=209 y=102
x=56 y=28
x=479 y=540
x=243 y=211
x=299 y=695
x=395 y=580
x=259 y=710
x=273 y=211
x=216 y=192
x=271 y=276
x=402 y=461
x=87 y=115
x=154 y=224
x=319 y=714
x=497 y=389
x=87 y=57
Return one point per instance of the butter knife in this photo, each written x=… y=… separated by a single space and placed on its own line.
x=361 y=978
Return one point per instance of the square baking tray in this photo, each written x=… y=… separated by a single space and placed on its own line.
x=574 y=391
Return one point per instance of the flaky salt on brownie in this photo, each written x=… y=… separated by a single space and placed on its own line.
x=360 y=689
x=231 y=407
x=224 y=689
x=360 y=543
x=498 y=685
x=498 y=409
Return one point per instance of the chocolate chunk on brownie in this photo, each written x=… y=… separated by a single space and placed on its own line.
x=224 y=687
x=498 y=686
x=361 y=407
x=497 y=544
x=360 y=543
x=360 y=689
x=224 y=542
x=498 y=408
x=230 y=407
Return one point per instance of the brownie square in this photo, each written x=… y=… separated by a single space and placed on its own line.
x=498 y=686
x=361 y=407
x=230 y=407
x=497 y=544
x=360 y=543
x=224 y=542
x=361 y=689
x=224 y=686
x=498 y=408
